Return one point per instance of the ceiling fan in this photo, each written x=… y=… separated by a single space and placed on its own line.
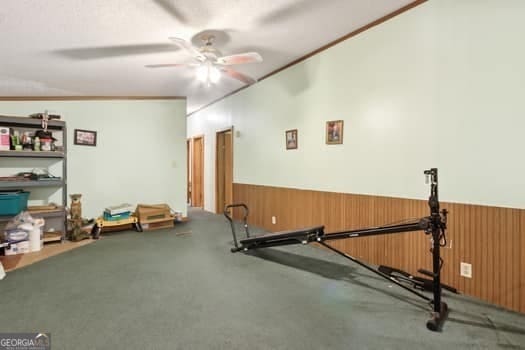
x=210 y=63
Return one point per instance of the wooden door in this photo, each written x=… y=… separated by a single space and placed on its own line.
x=224 y=170
x=228 y=167
x=197 y=183
x=188 y=171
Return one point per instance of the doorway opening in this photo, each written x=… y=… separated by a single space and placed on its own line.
x=188 y=171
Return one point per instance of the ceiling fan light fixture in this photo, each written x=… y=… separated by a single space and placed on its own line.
x=215 y=74
x=208 y=73
x=202 y=73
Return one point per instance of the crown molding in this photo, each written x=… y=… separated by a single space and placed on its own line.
x=88 y=98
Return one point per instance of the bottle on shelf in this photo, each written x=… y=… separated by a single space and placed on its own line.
x=37 y=143
x=15 y=141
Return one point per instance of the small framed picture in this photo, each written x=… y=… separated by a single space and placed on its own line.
x=334 y=132
x=291 y=139
x=85 y=137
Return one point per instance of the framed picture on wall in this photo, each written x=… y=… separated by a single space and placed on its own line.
x=334 y=132
x=291 y=139
x=85 y=137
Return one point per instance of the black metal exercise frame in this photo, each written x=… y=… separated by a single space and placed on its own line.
x=434 y=225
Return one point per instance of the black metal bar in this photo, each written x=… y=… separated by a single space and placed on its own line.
x=391 y=279
x=437 y=226
x=307 y=233
x=276 y=243
x=433 y=203
x=418 y=226
x=64 y=176
x=230 y=219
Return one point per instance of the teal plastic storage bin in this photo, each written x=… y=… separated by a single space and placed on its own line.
x=12 y=203
x=116 y=217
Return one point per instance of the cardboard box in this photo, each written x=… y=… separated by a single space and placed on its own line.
x=158 y=225
x=5 y=140
x=18 y=248
x=153 y=213
x=119 y=209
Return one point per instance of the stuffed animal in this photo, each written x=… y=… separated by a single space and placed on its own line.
x=75 y=214
x=76 y=206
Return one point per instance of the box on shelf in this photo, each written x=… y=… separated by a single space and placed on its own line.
x=54 y=217
x=4 y=139
x=52 y=236
x=13 y=202
x=18 y=248
x=153 y=213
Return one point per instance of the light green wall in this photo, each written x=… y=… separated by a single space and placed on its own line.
x=441 y=85
x=140 y=155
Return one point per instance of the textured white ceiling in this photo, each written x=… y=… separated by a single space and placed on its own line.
x=100 y=47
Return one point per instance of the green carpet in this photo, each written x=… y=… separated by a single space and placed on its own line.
x=159 y=290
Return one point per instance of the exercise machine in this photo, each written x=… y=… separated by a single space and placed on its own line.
x=415 y=282
x=433 y=225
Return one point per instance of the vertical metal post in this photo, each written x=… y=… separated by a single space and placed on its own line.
x=435 y=219
x=436 y=269
x=64 y=178
x=436 y=224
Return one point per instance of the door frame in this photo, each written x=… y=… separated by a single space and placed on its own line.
x=222 y=131
x=189 y=162
x=193 y=168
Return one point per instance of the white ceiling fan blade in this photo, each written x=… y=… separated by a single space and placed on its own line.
x=164 y=65
x=191 y=65
x=239 y=76
x=188 y=47
x=170 y=8
x=241 y=58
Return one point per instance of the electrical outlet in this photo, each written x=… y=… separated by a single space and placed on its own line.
x=274 y=220
x=465 y=270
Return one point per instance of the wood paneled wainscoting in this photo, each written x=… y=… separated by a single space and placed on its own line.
x=492 y=239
